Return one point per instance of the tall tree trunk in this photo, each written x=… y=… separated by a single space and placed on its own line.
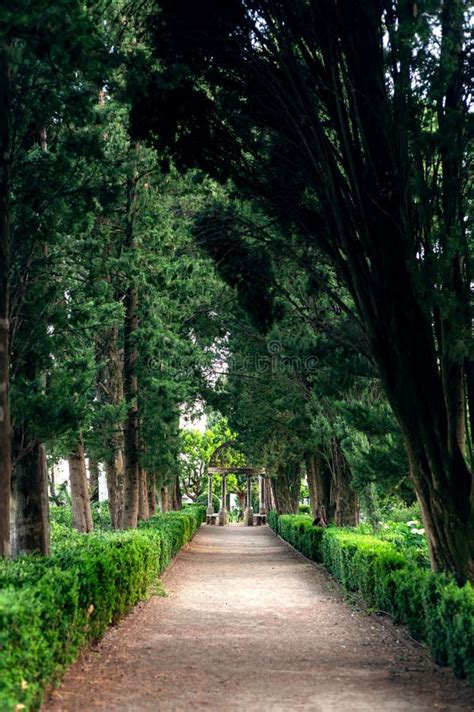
x=81 y=505
x=324 y=507
x=110 y=391
x=286 y=488
x=143 y=508
x=130 y=358
x=408 y=366
x=344 y=497
x=311 y=481
x=177 y=497
x=151 y=485
x=94 y=472
x=30 y=511
x=164 y=497
x=269 y=498
x=114 y=473
x=5 y=425
x=131 y=484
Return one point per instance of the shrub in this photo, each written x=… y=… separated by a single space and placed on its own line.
x=202 y=499
x=304 y=509
x=433 y=607
x=49 y=608
x=63 y=515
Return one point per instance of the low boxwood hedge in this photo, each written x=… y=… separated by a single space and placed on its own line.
x=51 y=607
x=433 y=607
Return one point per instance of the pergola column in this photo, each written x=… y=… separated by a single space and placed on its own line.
x=210 y=506
x=249 y=510
x=223 y=509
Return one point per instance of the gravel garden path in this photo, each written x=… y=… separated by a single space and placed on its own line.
x=248 y=624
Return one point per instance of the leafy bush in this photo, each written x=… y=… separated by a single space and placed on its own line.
x=304 y=509
x=386 y=574
x=409 y=538
x=100 y=515
x=50 y=607
x=404 y=514
x=202 y=499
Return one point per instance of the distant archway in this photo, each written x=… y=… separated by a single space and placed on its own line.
x=223 y=471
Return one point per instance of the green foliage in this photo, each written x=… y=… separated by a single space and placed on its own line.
x=198 y=447
x=49 y=608
x=434 y=608
x=304 y=509
x=202 y=499
x=409 y=538
x=298 y=530
x=62 y=515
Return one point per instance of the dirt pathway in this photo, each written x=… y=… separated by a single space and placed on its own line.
x=250 y=625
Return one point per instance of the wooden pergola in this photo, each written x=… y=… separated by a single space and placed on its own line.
x=249 y=472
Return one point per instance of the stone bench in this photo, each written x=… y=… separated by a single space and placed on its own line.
x=212 y=518
x=259 y=519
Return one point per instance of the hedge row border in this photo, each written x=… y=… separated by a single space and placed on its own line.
x=434 y=608
x=51 y=608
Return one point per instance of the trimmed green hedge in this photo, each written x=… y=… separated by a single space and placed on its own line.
x=433 y=607
x=51 y=607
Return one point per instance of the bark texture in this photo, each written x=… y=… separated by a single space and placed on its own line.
x=5 y=425
x=81 y=505
x=286 y=488
x=164 y=499
x=151 y=487
x=130 y=358
x=110 y=391
x=30 y=510
x=177 y=497
x=319 y=478
x=346 y=503
x=94 y=472
x=143 y=507
x=332 y=497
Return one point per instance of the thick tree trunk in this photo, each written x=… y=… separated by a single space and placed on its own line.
x=164 y=499
x=94 y=472
x=30 y=512
x=110 y=391
x=312 y=488
x=143 y=508
x=448 y=522
x=346 y=503
x=114 y=473
x=5 y=425
x=269 y=498
x=177 y=497
x=286 y=488
x=442 y=481
x=324 y=506
x=130 y=358
x=151 y=485
x=131 y=483
x=81 y=505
